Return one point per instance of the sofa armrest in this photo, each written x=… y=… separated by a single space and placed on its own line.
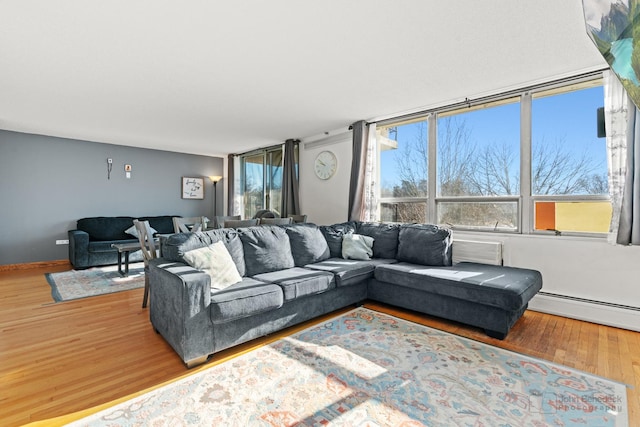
x=78 y=248
x=179 y=299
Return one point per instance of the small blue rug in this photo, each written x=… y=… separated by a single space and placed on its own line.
x=76 y=284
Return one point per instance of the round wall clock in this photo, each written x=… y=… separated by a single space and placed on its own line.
x=325 y=165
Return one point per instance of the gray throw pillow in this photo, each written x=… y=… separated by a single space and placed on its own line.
x=424 y=244
x=333 y=235
x=266 y=249
x=308 y=245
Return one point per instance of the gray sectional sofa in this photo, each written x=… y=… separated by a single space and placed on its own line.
x=294 y=273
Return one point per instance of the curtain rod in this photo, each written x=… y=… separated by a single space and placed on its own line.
x=467 y=102
x=257 y=150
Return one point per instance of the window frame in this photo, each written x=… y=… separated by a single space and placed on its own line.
x=267 y=184
x=526 y=201
x=561 y=199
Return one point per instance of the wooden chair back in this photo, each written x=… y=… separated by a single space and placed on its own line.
x=276 y=221
x=265 y=213
x=189 y=224
x=241 y=223
x=219 y=220
x=149 y=252
x=298 y=218
x=147 y=243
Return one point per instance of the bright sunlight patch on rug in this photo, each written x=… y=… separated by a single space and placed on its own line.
x=369 y=368
x=75 y=284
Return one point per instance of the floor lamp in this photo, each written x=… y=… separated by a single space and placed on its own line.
x=215 y=179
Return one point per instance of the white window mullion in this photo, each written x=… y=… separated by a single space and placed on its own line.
x=432 y=140
x=526 y=205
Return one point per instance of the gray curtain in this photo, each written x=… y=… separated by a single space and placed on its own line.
x=230 y=183
x=290 y=193
x=629 y=229
x=358 y=170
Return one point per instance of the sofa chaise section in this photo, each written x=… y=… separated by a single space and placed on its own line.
x=487 y=296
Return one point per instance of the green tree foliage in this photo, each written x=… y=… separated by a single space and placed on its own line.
x=411 y=165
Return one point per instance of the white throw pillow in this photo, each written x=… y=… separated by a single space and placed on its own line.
x=216 y=261
x=357 y=246
x=134 y=231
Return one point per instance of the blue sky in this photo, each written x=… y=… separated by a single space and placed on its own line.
x=572 y=117
x=568 y=119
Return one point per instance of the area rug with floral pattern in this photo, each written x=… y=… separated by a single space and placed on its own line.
x=366 y=368
x=75 y=284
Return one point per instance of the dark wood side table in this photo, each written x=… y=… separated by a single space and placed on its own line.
x=125 y=248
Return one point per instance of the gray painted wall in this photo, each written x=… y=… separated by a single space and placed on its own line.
x=48 y=183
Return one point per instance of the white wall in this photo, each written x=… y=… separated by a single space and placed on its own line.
x=325 y=201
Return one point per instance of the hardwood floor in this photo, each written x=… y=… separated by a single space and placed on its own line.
x=60 y=358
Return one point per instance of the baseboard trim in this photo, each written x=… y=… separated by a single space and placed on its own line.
x=31 y=265
x=617 y=315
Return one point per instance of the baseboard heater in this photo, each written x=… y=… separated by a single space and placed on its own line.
x=602 y=312
x=590 y=301
x=477 y=251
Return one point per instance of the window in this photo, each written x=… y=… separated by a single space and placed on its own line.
x=569 y=164
x=404 y=177
x=529 y=161
x=262 y=181
x=478 y=166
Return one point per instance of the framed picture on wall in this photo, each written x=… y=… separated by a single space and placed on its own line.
x=192 y=188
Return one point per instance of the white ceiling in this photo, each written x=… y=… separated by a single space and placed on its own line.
x=217 y=77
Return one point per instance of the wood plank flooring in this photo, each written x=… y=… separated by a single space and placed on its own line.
x=60 y=358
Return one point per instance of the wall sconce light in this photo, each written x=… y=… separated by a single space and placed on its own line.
x=214 y=179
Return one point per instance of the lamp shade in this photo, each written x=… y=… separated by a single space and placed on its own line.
x=215 y=178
